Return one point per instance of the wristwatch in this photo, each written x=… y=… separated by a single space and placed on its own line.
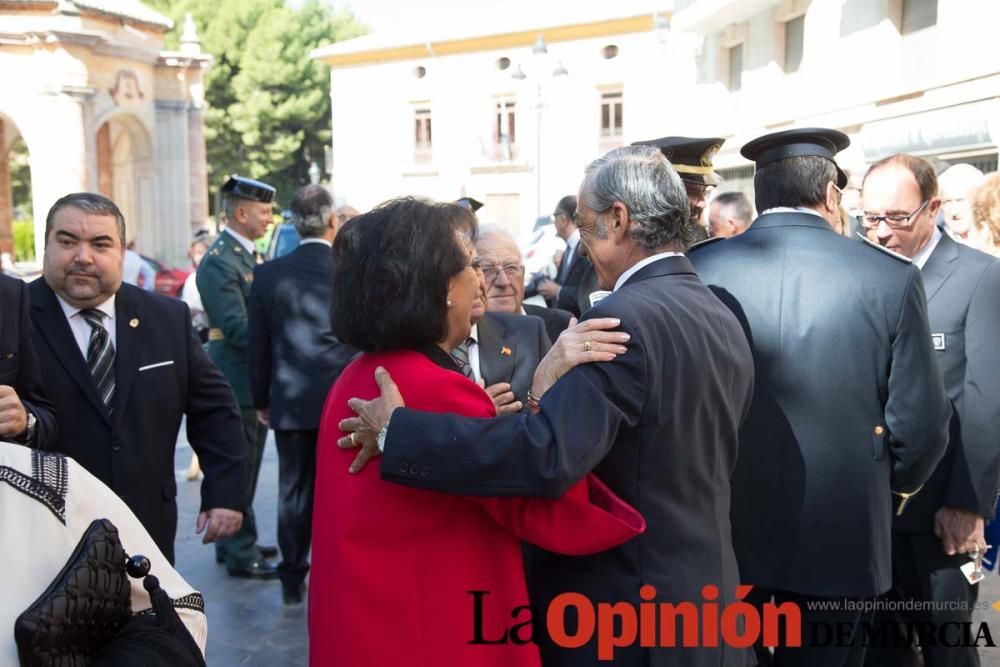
x=380 y=438
x=29 y=431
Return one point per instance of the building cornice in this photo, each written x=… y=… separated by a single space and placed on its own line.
x=336 y=58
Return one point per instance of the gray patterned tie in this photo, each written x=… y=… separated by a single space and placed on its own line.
x=461 y=356
x=100 y=356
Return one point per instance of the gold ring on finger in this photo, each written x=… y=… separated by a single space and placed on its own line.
x=587 y=346
x=352 y=438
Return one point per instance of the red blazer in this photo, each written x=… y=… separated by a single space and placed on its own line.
x=392 y=565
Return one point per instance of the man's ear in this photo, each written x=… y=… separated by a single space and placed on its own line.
x=619 y=218
x=832 y=197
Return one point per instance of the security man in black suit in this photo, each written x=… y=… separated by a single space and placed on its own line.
x=26 y=416
x=659 y=423
x=294 y=359
x=848 y=405
x=563 y=292
x=944 y=524
x=122 y=367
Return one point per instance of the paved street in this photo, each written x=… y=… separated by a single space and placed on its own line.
x=248 y=624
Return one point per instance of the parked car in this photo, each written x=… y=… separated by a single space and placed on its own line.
x=169 y=281
x=284 y=239
x=538 y=249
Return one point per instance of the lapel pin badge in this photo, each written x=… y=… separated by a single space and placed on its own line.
x=505 y=351
x=134 y=322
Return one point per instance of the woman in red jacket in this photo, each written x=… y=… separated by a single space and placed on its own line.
x=397 y=589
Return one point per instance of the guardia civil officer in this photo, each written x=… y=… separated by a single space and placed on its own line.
x=224 y=278
x=848 y=407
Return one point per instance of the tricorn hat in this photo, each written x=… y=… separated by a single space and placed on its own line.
x=247 y=188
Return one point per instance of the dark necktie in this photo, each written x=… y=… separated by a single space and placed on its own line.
x=564 y=267
x=461 y=356
x=100 y=356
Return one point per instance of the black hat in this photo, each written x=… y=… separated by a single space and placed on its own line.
x=690 y=156
x=802 y=142
x=247 y=188
x=469 y=203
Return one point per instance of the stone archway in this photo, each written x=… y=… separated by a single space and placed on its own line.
x=15 y=193
x=125 y=174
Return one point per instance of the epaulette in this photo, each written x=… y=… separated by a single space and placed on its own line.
x=708 y=241
x=868 y=241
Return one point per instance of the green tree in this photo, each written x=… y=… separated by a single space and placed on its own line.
x=268 y=113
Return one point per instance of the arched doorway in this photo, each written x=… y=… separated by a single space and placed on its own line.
x=125 y=174
x=17 y=240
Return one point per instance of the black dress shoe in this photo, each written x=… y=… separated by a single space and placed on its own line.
x=268 y=552
x=291 y=595
x=261 y=570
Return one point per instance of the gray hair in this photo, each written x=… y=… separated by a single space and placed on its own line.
x=90 y=202
x=644 y=181
x=493 y=229
x=312 y=208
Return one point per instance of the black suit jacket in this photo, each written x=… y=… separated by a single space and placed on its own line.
x=658 y=425
x=848 y=402
x=510 y=349
x=19 y=362
x=569 y=294
x=556 y=320
x=161 y=374
x=963 y=304
x=294 y=358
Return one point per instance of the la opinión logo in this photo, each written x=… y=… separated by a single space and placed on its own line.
x=651 y=624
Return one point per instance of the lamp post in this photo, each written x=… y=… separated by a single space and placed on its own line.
x=539 y=52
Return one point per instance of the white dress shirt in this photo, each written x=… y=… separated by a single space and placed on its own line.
x=474 y=351
x=316 y=240
x=81 y=330
x=921 y=257
x=631 y=271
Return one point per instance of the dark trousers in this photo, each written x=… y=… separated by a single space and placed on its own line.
x=819 y=630
x=296 y=480
x=922 y=571
x=241 y=549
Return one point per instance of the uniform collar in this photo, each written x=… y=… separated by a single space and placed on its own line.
x=247 y=244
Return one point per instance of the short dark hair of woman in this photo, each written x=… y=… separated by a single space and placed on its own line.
x=391 y=268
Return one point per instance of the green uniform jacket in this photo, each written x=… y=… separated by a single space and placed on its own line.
x=224 y=278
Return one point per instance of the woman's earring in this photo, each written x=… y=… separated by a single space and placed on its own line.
x=449 y=303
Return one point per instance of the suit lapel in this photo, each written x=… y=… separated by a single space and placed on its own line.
x=52 y=323
x=494 y=364
x=940 y=265
x=127 y=336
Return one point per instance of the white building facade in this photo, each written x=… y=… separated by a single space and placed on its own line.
x=453 y=115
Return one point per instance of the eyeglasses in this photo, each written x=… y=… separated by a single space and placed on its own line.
x=513 y=271
x=893 y=220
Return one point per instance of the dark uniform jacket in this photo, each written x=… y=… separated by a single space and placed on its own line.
x=848 y=402
x=963 y=304
x=658 y=424
x=18 y=361
x=224 y=278
x=510 y=349
x=294 y=358
x=556 y=320
x=569 y=294
x=161 y=374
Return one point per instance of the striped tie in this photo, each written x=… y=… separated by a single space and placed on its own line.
x=461 y=356
x=100 y=356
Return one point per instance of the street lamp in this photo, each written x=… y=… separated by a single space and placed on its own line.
x=540 y=51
